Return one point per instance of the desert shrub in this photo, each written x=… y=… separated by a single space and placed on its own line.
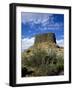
x=36 y=59
x=60 y=62
x=44 y=63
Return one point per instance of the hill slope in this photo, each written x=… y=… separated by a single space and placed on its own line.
x=44 y=56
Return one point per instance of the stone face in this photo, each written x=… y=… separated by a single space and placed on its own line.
x=48 y=37
x=44 y=42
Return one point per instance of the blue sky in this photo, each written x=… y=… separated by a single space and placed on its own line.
x=39 y=23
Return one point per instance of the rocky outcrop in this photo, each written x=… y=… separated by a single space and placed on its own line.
x=47 y=37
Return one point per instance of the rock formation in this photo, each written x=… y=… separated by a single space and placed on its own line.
x=44 y=42
x=47 y=37
x=43 y=54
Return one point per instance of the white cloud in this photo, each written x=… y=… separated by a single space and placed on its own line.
x=27 y=43
x=60 y=42
x=45 y=20
x=35 y=17
x=51 y=26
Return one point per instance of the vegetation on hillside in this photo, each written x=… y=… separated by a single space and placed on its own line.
x=44 y=58
x=42 y=63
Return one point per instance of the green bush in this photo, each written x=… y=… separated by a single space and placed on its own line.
x=44 y=63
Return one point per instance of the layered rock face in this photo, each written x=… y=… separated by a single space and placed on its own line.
x=48 y=37
x=45 y=41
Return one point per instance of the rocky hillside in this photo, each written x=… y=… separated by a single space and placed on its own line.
x=44 y=56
